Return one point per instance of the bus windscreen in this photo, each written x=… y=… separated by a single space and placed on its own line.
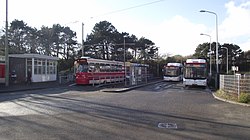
x=172 y=71
x=197 y=71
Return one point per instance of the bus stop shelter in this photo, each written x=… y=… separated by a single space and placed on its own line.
x=136 y=73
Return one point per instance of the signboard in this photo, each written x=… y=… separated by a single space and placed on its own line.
x=196 y=65
x=235 y=68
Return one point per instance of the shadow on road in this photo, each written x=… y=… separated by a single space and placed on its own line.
x=107 y=113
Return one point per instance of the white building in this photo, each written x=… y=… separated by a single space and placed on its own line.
x=43 y=68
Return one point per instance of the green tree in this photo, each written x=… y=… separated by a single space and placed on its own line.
x=57 y=39
x=178 y=58
x=104 y=42
x=45 y=40
x=31 y=40
x=16 y=35
x=246 y=62
x=146 y=49
x=203 y=50
x=69 y=43
x=135 y=47
x=102 y=36
x=235 y=56
x=2 y=47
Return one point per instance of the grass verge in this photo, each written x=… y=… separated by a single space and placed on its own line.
x=243 y=98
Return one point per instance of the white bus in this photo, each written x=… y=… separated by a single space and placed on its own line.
x=173 y=72
x=195 y=72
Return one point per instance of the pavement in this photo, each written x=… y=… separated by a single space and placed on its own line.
x=24 y=87
x=44 y=85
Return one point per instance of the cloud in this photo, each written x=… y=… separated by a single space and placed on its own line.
x=235 y=28
x=178 y=35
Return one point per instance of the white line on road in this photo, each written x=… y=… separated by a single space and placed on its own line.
x=72 y=85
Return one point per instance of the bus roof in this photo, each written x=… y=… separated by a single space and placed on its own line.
x=195 y=61
x=175 y=64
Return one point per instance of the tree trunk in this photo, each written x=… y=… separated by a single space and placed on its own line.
x=103 y=51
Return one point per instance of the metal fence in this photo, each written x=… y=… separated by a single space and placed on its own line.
x=235 y=84
x=63 y=79
x=103 y=79
x=97 y=80
x=109 y=79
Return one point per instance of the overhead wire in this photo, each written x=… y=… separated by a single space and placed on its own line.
x=133 y=7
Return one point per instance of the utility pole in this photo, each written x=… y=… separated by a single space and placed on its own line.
x=217 y=46
x=82 y=39
x=6 y=48
x=227 y=56
x=124 y=61
x=210 y=55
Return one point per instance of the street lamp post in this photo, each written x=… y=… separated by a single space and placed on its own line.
x=227 y=57
x=6 y=48
x=210 y=51
x=124 y=60
x=82 y=39
x=217 y=55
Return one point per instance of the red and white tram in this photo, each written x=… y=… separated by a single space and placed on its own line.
x=96 y=71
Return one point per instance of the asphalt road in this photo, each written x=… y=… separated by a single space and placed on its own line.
x=158 y=111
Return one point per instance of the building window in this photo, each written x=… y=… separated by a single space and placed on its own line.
x=51 y=67
x=39 y=66
x=43 y=67
x=29 y=64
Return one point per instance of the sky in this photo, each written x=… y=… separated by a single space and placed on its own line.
x=173 y=25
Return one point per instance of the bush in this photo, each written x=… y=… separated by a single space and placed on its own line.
x=244 y=98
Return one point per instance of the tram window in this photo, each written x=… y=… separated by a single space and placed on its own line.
x=97 y=67
x=91 y=67
x=113 y=68
x=82 y=68
x=119 y=68
x=107 y=68
x=102 y=68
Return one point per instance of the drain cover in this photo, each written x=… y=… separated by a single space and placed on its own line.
x=167 y=125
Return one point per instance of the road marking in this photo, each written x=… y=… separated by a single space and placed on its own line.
x=72 y=85
x=167 y=125
x=169 y=86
